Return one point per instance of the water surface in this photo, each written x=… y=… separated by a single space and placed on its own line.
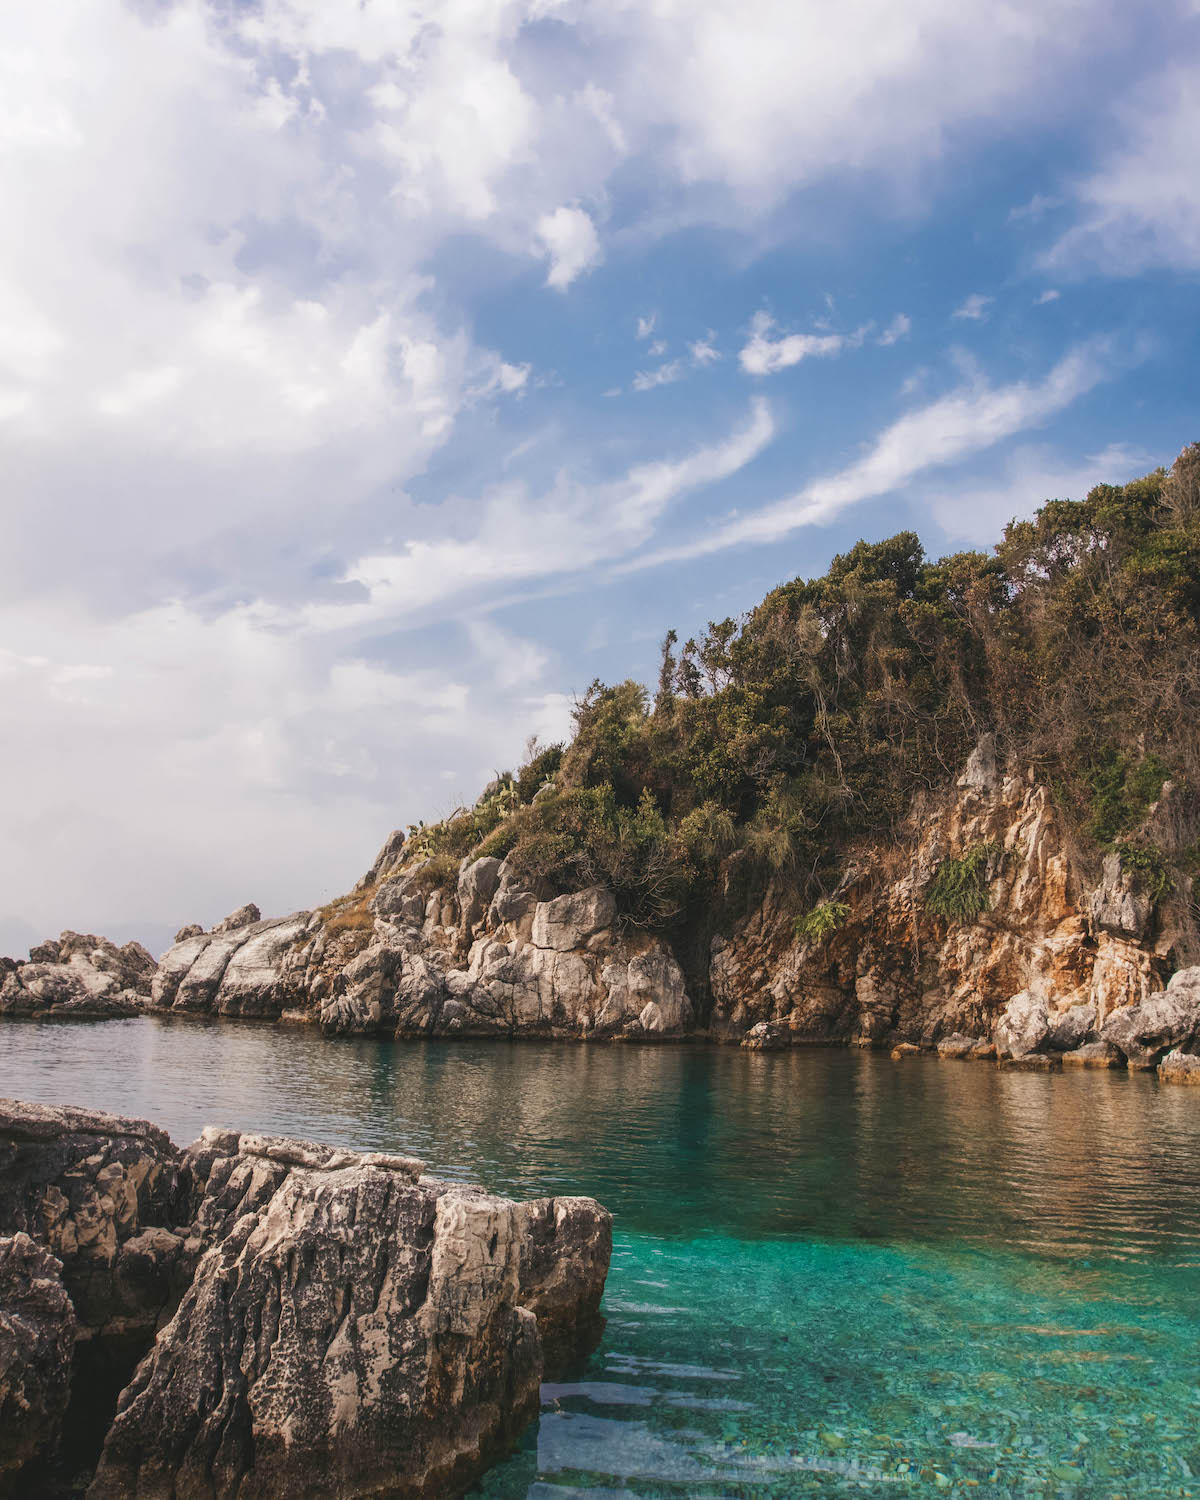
x=832 y=1274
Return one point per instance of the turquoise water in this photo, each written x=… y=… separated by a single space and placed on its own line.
x=833 y=1274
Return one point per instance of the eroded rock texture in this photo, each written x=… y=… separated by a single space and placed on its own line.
x=312 y=1320
x=77 y=975
x=37 y=1342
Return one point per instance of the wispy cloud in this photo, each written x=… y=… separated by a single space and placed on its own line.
x=1051 y=294
x=668 y=374
x=1141 y=208
x=646 y=326
x=704 y=351
x=576 y=526
x=900 y=327
x=946 y=431
x=974 y=309
x=762 y=355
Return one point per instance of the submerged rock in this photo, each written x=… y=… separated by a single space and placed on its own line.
x=1093 y=1055
x=766 y=1037
x=313 y=1320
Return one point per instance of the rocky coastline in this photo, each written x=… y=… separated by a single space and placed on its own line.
x=1052 y=966
x=259 y=1316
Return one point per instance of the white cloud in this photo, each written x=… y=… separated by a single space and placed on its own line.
x=646 y=380
x=519 y=537
x=704 y=351
x=974 y=309
x=900 y=327
x=1051 y=294
x=976 y=512
x=571 y=242
x=948 y=430
x=762 y=355
x=1141 y=208
x=229 y=353
x=646 y=326
x=657 y=349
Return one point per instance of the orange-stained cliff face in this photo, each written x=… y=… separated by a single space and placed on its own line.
x=895 y=972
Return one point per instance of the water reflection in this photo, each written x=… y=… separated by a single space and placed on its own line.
x=685 y=1141
x=832 y=1273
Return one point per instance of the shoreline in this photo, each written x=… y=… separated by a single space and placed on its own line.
x=898 y=1051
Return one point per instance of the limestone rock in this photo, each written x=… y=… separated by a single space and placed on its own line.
x=1069 y=1028
x=957 y=1046
x=645 y=993
x=390 y=856
x=765 y=1036
x=395 y=902
x=37 y=1340
x=192 y=929
x=569 y=921
x=566 y=1246
x=1092 y=1055
x=1118 y=905
x=1160 y=1024
x=1023 y=1026
x=244 y=916
x=89 y=1186
x=477 y=884
x=1180 y=1067
x=352 y=1330
x=328 y=1322
x=242 y=968
x=980 y=773
x=79 y=976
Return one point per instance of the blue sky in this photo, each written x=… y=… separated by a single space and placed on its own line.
x=373 y=377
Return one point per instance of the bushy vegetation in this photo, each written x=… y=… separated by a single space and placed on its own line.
x=775 y=741
x=959 y=891
x=819 y=924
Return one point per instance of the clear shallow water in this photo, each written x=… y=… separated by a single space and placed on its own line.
x=832 y=1274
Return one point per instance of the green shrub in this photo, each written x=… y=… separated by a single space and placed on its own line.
x=819 y=924
x=959 y=889
x=1121 y=789
x=1149 y=868
x=538 y=772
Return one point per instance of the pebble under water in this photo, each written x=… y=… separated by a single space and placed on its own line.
x=832 y=1273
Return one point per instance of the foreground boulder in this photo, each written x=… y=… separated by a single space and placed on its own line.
x=37 y=1341
x=328 y=1322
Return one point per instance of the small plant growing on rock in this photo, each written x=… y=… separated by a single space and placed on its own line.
x=819 y=924
x=1147 y=864
x=959 y=889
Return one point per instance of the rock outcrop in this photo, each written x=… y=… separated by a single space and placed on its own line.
x=308 y=1320
x=77 y=975
x=482 y=959
x=37 y=1342
x=1051 y=959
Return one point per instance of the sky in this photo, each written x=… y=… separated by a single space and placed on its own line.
x=374 y=376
